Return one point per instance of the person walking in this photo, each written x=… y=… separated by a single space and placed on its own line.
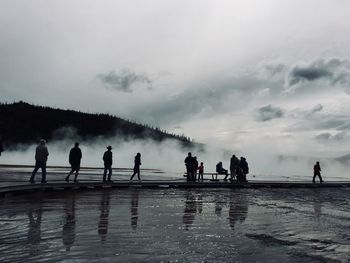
x=107 y=160
x=74 y=160
x=317 y=172
x=41 y=154
x=137 y=163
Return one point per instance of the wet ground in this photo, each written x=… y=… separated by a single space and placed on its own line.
x=177 y=225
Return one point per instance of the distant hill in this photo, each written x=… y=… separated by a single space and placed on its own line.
x=23 y=123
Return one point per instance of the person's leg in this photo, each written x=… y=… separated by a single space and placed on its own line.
x=69 y=174
x=104 y=174
x=138 y=175
x=43 y=172
x=132 y=175
x=313 y=179
x=76 y=174
x=36 y=168
x=319 y=176
x=109 y=173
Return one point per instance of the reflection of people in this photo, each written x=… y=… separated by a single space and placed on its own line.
x=107 y=160
x=137 y=163
x=317 y=206
x=317 y=172
x=41 y=154
x=103 y=223
x=238 y=209
x=74 y=160
x=190 y=210
x=68 y=231
x=34 y=229
x=134 y=209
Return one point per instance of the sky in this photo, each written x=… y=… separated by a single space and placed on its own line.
x=254 y=76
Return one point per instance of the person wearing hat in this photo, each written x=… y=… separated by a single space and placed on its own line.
x=107 y=160
x=41 y=154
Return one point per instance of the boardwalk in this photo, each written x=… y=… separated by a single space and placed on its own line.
x=14 y=180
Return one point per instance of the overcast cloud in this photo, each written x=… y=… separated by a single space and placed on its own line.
x=241 y=75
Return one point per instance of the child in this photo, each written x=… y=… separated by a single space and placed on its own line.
x=200 y=171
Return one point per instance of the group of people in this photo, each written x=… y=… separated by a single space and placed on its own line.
x=192 y=167
x=238 y=169
x=75 y=156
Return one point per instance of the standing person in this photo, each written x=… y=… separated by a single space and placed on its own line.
x=137 y=163
x=108 y=160
x=74 y=160
x=41 y=154
x=189 y=165
x=200 y=171
x=244 y=168
x=194 y=168
x=317 y=172
x=233 y=168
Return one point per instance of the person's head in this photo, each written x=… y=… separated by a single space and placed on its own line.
x=242 y=158
x=42 y=142
x=76 y=144
x=195 y=157
x=201 y=163
x=220 y=162
x=189 y=154
x=317 y=162
x=109 y=147
x=138 y=154
x=233 y=156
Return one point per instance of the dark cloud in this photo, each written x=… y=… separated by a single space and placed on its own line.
x=317 y=108
x=328 y=137
x=268 y=113
x=335 y=70
x=125 y=80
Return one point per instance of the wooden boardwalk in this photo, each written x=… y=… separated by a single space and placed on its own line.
x=23 y=188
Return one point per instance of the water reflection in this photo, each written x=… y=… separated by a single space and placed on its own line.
x=103 y=223
x=34 y=227
x=134 y=208
x=317 y=204
x=68 y=231
x=193 y=204
x=238 y=209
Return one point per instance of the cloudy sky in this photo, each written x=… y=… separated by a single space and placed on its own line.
x=269 y=75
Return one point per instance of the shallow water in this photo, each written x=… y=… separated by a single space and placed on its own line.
x=177 y=225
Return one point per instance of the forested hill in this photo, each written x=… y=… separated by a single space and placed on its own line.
x=24 y=123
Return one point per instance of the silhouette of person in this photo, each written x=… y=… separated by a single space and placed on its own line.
x=134 y=209
x=189 y=166
x=41 y=154
x=234 y=163
x=137 y=163
x=244 y=168
x=1 y=146
x=200 y=171
x=34 y=229
x=108 y=160
x=195 y=168
x=317 y=172
x=103 y=223
x=74 y=160
x=68 y=231
x=221 y=170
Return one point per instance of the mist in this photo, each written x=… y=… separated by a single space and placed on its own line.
x=169 y=156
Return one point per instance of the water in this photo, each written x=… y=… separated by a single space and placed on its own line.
x=177 y=225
